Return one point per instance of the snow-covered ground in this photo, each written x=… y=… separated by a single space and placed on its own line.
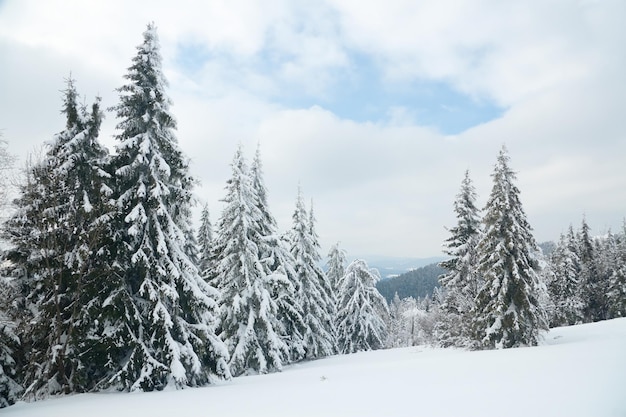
x=578 y=371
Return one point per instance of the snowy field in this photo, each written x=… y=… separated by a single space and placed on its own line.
x=578 y=371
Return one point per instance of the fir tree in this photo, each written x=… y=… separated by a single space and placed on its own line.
x=205 y=240
x=461 y=281
x=508 y=311
x=336 y=267
x=314 y=290
x=616 y=294
x=168 y=311
x=10 y=347
x=277 y=260
x=6 y=166
x=592 y=285
x=563 y=287
x=56 y=233
x=249 y=321
x=10 y=344
x=361 y=311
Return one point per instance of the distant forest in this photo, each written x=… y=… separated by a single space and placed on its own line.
x=417 y=283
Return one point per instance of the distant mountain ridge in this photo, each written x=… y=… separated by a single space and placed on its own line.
x=390 y=266
x=417 y=283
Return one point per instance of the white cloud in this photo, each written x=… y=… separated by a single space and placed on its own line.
x=383 y=187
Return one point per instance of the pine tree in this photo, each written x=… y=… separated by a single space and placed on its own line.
x=249 y=321
x=10 y=347
x=314 y=290
x=616 y=294
x=336 y=267
x=168 y=311
x=508 y=311
x=10 y=344
x=606 y=264
x=6 y=166
x=56 y=233
x=564 y=288
x=361 y=311
x=592 y=284
x=277 y=260
x=461 y=281
x=205 y=240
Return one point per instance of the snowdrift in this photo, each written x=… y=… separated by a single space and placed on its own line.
x=577 y=371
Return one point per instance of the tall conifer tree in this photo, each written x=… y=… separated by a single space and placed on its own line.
x=593 y=286
x=461 y=281
x=564 y=286
x=169 y=310
x=616 y=294
x=509 y=310
x=10 y=346
x=276 y=259
x=336 y=267
x=314 y=290
x=249 y=317
x=56 y=233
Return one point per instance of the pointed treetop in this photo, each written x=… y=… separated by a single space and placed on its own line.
x=70 y=105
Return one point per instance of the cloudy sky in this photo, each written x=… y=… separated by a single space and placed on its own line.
x=375 y=108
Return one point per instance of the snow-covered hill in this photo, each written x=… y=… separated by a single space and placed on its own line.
x=578 y=371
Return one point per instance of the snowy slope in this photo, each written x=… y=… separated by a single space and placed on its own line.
x=578 y=371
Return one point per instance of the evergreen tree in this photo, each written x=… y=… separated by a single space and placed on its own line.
x=402 y=324
x=166 y=310
x=6 y=166
x=563 y=287
x=314 y=290
x=10 y=389
x=249 y=321
x=508 y=311
x=461 y=282
x=616 y=294
x=606 y=264
x=56 y=236
x=278 y=261
x=205 y=240
x=361 y=311
x=10 y=344
x=592 y=284
x=336 y=267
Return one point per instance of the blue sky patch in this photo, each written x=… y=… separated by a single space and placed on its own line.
x=359 y=92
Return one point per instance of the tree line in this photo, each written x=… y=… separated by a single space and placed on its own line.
x=499 y=290
x=108 y=287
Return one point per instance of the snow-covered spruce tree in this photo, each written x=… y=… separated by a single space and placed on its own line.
x=314 y=290
x=461 y=282
x=606 y=263
x=277 y=261
x=616 y=294
x=205 y=240
x=56 y=234
x=563 y=287
x=6 y=166
x=250 y=326
x=361 y=311
x=508 y=311
x=10 y=346
x=592 y=285
x=168 y=311
x=336 y=267
x=397 y=324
